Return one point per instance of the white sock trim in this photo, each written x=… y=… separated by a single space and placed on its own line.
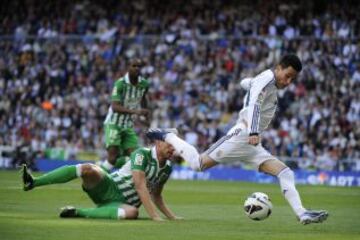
x=283 y=171
x=121 y=213
x=107 y=165
x=78 y=170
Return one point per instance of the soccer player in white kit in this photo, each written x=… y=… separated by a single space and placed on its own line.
x=243 y=143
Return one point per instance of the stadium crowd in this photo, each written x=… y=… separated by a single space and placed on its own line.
x=57 y=70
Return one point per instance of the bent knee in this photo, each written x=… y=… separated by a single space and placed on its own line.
x=131 y=213
x=206 y=162
x=89 y=169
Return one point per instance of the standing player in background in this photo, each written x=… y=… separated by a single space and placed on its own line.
x=128 y=98
x=243 y=143
x=120 y=194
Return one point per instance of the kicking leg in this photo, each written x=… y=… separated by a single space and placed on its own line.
x=287 y=183
x=185 y=150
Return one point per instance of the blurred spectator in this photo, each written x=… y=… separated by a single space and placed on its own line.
x=54 y=88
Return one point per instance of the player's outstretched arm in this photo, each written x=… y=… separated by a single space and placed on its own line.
x=140 y=186
x=160 y=203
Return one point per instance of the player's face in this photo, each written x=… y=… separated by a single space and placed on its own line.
x=284 y=76
x=135 y=68
x=167 y=150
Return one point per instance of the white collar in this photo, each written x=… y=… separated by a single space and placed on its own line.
x=153 y=153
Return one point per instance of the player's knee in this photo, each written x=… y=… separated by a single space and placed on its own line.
x=131 y=213
x=206 y=162
x=286 y=174
x=88 y=170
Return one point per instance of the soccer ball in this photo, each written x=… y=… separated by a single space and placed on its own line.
x=258 y=206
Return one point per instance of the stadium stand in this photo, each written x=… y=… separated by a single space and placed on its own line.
x=57 y=69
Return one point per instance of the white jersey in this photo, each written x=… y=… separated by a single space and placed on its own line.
x=260 y=102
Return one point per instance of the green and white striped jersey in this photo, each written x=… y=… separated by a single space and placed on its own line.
x=143 y=159
x=129 y=96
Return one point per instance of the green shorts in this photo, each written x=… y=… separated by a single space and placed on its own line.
x=123 y=138
x=105 y=192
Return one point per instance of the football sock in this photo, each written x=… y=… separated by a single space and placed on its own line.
x=106 y=165
x=186 y=151
x=120 y=161
x=60 y=175
x=287 y=184
x=108 y=212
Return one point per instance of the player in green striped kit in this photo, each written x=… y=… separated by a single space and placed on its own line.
x=120 y=194
x=128 y=98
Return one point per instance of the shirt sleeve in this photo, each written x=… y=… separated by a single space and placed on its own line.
x=245 y=83
x=255 y=99
x=138 y=161
x=117 y=91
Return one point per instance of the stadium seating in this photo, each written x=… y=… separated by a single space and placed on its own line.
x=56 y=72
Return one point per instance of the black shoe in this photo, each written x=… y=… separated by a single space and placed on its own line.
x=28 y=180
x=68 y=212
x=157 y=134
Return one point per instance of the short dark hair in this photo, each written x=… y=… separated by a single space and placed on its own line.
x=291 y=60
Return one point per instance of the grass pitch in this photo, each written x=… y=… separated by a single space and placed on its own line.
x=212 y=210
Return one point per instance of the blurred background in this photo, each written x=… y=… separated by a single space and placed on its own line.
x=60 y=59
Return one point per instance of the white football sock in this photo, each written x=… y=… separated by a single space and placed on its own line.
x=78 y=170
x=121 y=213
x=186 y=151
x=287 y=184
x=108 y=166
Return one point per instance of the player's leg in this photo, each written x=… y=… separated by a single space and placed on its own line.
x=60 y=175
x=185 y=150
x=287 y=183
x=104 y=192
x=129 y=143
x=286 y=178
x=114 y=210
x=112 y=155
x=91 y=175
x=113 y=146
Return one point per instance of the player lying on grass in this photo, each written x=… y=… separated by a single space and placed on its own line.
x=120 y=194
x=242 y=142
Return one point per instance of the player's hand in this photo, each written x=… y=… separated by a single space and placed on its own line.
x=158 y=219
x=254 y=140
x=176 y=218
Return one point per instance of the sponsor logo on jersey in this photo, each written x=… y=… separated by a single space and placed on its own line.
x=138 y=159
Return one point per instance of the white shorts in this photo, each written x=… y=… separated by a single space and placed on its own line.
x=234 y=147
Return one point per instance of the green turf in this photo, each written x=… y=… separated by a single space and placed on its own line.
x=212 y=210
